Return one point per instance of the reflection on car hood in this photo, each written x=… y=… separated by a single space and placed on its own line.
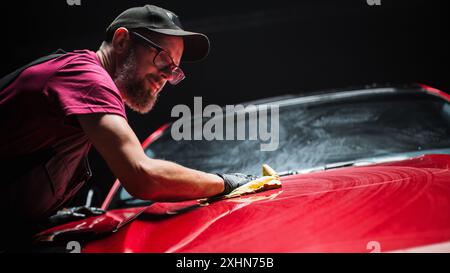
x=394 y=205
x=89 y=228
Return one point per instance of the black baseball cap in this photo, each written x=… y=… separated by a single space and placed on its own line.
x=156 y=19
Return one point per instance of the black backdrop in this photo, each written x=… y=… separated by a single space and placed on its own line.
x=259 y=49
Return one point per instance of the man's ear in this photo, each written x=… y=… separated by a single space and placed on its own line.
x=121 y=40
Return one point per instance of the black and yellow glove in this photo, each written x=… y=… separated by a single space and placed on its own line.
x=238 y=184
x=233 y=181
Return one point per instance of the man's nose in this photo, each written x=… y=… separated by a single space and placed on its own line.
x=165 y=73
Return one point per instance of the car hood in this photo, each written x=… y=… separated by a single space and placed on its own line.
x=382 y=207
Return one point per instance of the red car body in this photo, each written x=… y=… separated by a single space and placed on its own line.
x=399 y=205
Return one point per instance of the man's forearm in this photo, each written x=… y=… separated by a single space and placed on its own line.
x=161 y=180
x=143 y=177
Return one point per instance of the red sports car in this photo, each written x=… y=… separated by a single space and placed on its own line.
x=364 y=170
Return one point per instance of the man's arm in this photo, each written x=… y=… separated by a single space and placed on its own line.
x=143 y=177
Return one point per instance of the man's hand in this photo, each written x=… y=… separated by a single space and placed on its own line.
x=233 y=181
x=238 y=184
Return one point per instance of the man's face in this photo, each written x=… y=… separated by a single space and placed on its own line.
x=137 y=77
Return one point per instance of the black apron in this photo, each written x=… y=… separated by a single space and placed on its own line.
x=6 y=80
x=36 y=185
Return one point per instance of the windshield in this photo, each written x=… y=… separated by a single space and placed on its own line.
x=322 y=132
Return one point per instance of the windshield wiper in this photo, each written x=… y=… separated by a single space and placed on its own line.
x=337 y=165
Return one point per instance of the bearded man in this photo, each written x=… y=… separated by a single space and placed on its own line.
x=54 y=109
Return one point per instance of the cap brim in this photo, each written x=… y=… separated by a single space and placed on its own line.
x=196 y=45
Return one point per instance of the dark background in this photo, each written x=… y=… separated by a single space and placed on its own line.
x=259 y=49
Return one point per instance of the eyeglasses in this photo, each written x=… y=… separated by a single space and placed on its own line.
x=164 y=62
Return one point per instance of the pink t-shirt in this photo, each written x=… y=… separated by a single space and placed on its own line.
x=37 y=109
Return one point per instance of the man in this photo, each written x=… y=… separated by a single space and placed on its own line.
x=51 y=112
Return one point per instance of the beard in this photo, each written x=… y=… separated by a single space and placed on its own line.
x=136 y=96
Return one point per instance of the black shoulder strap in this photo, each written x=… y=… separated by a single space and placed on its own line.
x=5 y=81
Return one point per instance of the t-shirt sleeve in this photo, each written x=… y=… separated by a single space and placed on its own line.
x=82 y=86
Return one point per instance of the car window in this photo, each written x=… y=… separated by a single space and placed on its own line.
x=322 y=133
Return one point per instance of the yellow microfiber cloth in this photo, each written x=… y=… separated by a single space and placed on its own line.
x=269 y=180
